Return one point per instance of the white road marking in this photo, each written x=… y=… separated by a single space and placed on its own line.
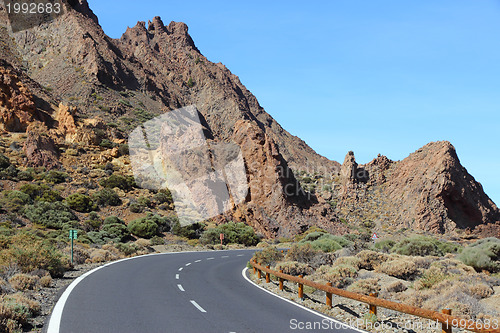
x=225 y=257
x=56 y=316
x=240 y=255
x=188 y=264
x=342 y=325
x=180 y=287
x=177 y=276
x=210 y=258
x=197 y=306
x=180 y=269
x=197 y=260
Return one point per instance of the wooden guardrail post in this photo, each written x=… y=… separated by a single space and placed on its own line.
x=373 y=308
x=281 y=280
x=254 y=269
x=259 y=273
x=446 y=327
x=301 y=288
x=329 y=296
x=268 y=276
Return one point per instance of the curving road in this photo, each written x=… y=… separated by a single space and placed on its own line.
x=179 y=292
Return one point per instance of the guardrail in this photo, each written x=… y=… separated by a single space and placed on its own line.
x=445 y=318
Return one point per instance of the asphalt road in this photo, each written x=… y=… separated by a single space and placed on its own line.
x=182 y=292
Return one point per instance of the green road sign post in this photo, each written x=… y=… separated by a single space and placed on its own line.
x=73 y=234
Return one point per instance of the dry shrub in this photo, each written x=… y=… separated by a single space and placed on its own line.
x=23 y=282
x=46 y=281
x=340 y=275
x=101 y=255
x=268 y=256
x=481 y=290
x=399 y=268
x=262 y=245
x=395 y=287
x=115 y=253
x=370 y=259
x=452 y=294
x=424 y=262
x=350 y=261
x=302 y=253
x=365 y=286
x=294 y=268
x=142 y=243
x=430 y=277
x=80 y=253
x=453 y=266
x=15 y=311
x=4 y=286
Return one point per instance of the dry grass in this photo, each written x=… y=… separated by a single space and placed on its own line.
x=15 y=311
x=294 y=268
x=370 y=259
x=403 y=268
x=365 y=286
x=23 y=282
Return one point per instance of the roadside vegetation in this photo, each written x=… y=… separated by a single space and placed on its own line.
x=419 y=270
x=114 y=219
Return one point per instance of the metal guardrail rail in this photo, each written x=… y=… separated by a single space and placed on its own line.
x=445 y=318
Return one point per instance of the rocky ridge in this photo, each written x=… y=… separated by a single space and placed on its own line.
x=85 y=88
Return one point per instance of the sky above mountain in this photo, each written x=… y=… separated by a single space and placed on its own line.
x=374 y=77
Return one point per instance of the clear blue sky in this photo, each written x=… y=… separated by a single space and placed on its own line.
x=385 y=76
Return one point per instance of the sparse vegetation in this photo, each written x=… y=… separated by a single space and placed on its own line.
x=234 y=233
x=483 y=255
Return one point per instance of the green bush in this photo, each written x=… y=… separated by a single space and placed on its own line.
x=136 y=207
x=145 y=202
x=4 y=162
x=14 y=200
x=93 y=222
x=385 y=245
x=41 y=192
x=191 y=231
x=127 y=249
x=163 y=196
x=106 y=197
x=144 y=227
x=56 y=177
x=123 y=183
x=51 y=215
x=113 y=220
x=123 y=149
x=116 y=231
x=105 y=143
x=424 y=246
x=482 y=255
x=325 y=242
x=156 y=240
x=236 y=233
x=81 y=203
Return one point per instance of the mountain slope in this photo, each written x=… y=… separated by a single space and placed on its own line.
x=87 y=89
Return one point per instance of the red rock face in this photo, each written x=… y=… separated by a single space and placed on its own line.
x=41 y=150
x=17 y=108
x=438 y=192
x=276 y=204
x=428 y=191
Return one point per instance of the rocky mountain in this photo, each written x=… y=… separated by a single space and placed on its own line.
x=429 y=190
x=70 y=86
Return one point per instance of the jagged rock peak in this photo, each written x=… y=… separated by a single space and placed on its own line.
x=349 y=168
x=83 y=7
x=157 y=25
